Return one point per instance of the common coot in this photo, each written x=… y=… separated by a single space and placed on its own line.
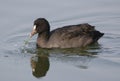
x=70 y=36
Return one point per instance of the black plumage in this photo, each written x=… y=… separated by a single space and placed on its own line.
x=69 y=36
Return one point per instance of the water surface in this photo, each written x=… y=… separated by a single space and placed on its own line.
x=99 y=62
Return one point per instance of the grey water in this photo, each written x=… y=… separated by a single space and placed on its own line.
x=23 y=62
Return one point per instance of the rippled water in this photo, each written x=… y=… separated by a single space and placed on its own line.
x=100 y=62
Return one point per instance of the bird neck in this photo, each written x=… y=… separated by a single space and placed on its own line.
x=43 y=38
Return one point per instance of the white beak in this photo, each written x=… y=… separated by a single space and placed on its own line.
x=33 y=31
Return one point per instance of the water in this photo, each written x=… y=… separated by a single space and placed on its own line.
x=96 y=63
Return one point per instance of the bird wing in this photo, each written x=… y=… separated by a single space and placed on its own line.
x=72 y=31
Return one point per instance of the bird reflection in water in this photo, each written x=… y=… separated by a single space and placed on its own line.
x=77 y=57
x=40 y=65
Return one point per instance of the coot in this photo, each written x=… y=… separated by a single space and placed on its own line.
x=70 y=36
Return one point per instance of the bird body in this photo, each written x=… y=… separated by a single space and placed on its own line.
x=70 y=36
